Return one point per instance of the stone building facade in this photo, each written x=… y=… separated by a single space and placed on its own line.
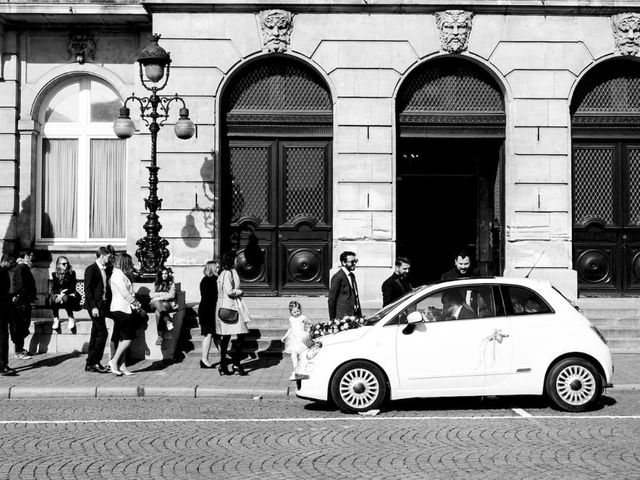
x=413 y=128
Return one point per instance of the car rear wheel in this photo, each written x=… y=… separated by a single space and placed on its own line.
x=573 y=384
x=358 y=387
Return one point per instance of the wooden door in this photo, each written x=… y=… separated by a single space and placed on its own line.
x=278 y=215
x=606 y=217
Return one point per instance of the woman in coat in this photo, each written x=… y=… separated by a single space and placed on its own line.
x=230 y=299
x=123 y=304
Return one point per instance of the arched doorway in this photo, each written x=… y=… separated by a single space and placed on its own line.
x=451 y=129
x=276 y=196
x=605 y=121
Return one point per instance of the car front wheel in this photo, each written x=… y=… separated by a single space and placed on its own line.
x=573 y=384
x=358 y=387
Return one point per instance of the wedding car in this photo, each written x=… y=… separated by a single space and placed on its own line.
x=473 y=337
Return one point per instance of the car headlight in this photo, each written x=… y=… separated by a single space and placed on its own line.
x=599 y=333
x=309 y=367
x=313 y=351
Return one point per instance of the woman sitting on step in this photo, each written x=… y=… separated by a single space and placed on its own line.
x=63 y=294
x=163 y=301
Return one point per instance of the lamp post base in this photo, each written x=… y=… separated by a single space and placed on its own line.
x=152 y=252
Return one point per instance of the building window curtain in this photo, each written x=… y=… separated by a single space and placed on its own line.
x=59 y=188
x=108 y=184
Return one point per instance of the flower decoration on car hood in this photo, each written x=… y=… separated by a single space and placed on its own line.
x=335 y=326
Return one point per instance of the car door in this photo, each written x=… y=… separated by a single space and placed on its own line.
x=531 y=320
x=454 y=355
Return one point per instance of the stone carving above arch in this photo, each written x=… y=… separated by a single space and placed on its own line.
x=275 y=27
x=81 y=47
x=626 y=33
x=455 y=29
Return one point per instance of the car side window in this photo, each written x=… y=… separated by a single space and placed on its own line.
x=524 y=301
x=460 y=303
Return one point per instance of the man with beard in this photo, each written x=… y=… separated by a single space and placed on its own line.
x=398 y=283
x=343 y=291
x=462 y=268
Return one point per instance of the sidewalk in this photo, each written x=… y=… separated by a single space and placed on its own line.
x=63 y=375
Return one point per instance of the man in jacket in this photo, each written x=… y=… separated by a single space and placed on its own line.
x=97 y=297
x=397 y=284
x=24 y=295
x=343 y=290
x=5 y=311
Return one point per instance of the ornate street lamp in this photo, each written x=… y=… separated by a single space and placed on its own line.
x=152 y=248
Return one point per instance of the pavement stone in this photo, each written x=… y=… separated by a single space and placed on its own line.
x=63 y=375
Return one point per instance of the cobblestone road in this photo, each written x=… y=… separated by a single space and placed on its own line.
x=239 y=439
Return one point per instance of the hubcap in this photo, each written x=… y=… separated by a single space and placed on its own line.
x=576 y=385
x=359 y=388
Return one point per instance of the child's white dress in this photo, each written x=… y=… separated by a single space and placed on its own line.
x=293 y=338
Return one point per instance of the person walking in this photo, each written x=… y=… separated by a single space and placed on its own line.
x=344 y=299
x=207 y=310
x=122 y=306
x=63 y=294
x=163 y=301
x=397 y=284
x=97 y=297
x=231 y=315
x=6 y=263
x=24 y=295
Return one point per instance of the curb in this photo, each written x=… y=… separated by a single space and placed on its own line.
x=22 y=392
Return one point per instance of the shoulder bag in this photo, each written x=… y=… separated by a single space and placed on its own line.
x=228 y=315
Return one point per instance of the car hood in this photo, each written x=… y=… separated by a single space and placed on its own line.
x=344 y=336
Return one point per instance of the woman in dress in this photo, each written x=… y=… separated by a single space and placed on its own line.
x=230 y=298
x=123 y=304
x=63 y=294
x=207 y=310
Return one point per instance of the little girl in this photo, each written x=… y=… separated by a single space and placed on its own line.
x=298 y=326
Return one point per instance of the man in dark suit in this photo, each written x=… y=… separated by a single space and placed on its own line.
x=97 y=297
x=343 y=290
x=461 y=269
x=454 y=307
x=397 y=284
x=25 y=294
x=5 y=311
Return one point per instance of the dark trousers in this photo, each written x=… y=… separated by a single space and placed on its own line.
x=19 y=323
x=4 y=339
x=68 y=304
x=98 y=339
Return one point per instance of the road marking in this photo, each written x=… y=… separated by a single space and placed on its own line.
x=522 y=413
x=325 y=419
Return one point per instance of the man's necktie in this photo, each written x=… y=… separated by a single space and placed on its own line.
x=356 y=302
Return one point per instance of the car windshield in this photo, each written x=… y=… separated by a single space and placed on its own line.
x=372 y=320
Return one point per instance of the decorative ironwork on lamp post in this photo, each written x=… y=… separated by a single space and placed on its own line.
x=152 y=249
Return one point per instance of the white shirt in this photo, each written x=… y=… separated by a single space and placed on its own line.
x=122 y=292
x=348 y=274
x=103 y=273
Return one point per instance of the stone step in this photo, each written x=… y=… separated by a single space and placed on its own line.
x=628 y=322
x=624 y=345
x=622 y=333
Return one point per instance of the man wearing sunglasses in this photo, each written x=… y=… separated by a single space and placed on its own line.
x=343 y=290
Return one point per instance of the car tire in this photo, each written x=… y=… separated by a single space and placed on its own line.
x=358 y=387
x=573 y=384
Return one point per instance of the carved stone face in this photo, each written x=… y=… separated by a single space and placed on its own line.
x=276 y=28
x=455 y=28
x=626 y=33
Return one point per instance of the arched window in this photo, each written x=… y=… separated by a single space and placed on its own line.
x=82 y=167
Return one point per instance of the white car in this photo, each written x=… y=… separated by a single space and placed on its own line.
x=473 y=337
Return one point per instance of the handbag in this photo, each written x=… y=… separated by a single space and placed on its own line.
x=228 y=315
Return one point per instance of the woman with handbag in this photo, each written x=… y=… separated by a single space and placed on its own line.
x=231 y=316
x=63 y=294
x=123 y=306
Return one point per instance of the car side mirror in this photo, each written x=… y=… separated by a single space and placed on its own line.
x=414 y=317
